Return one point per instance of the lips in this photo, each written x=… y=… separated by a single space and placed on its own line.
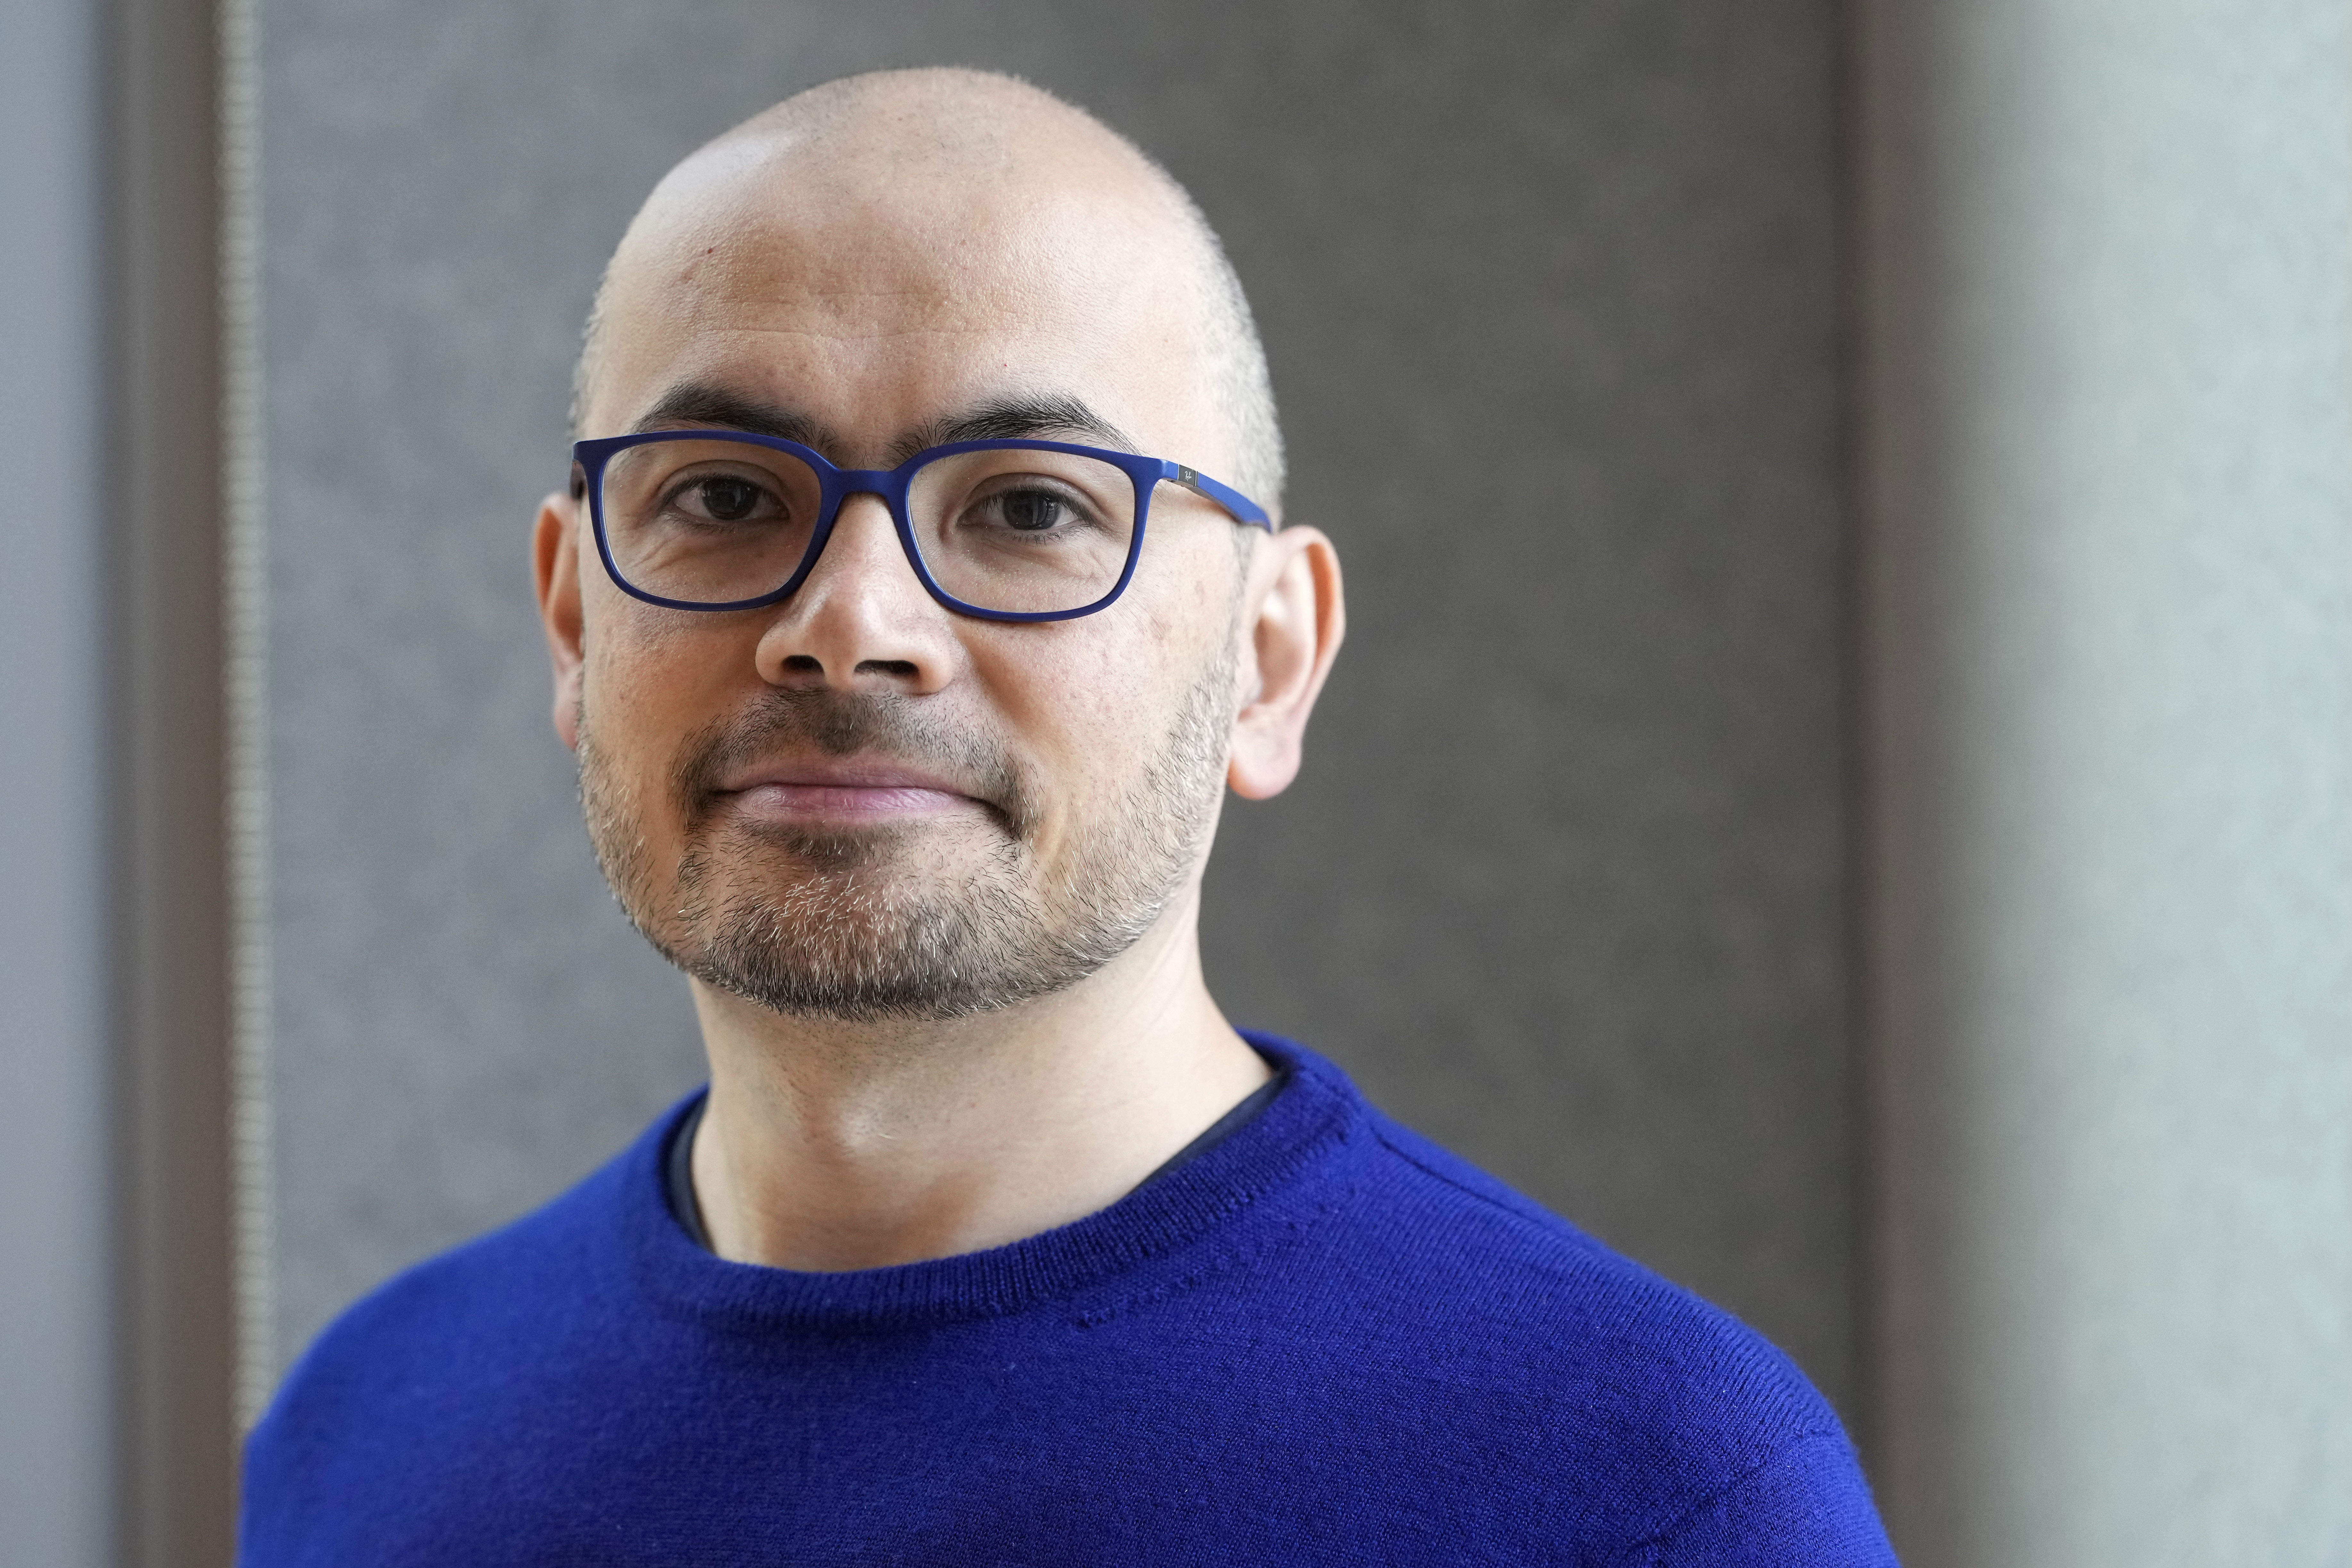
x=841 y=788
x=799 y=756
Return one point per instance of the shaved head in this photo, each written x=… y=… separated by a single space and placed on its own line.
x=896 y=142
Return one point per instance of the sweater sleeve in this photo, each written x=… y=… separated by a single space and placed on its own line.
x=1807 y=1507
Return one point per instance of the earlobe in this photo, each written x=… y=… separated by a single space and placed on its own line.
x=555 y=569
x=1297 y=615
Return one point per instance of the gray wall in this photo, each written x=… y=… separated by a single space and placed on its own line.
x=1552 y=297
x=54 y=1214
x=2109 y=431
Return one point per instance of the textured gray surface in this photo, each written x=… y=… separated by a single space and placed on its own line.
x=54 y=1426
x=1551 y=300
x=2111 y=659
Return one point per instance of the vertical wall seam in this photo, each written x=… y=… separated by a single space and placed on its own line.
x=246 y=610
x=1849 y=121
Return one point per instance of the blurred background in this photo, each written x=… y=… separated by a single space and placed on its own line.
x=1839 y=783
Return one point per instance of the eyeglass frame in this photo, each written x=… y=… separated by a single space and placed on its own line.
x=836 y=485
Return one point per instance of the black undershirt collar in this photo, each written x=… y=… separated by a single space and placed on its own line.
x=677 y=1160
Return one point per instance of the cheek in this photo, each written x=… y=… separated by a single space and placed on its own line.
x=1097 y=699
x=653 y=675
x=1069 y=698
x=1184 y=623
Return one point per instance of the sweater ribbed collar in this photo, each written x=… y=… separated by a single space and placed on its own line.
x=1305 y=1127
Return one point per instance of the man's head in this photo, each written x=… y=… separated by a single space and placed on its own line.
x=857 y=803
x=973 y=126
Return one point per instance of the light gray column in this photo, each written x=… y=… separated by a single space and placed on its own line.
x=53 y=1234
x=2107 y=400
x=116 y=1439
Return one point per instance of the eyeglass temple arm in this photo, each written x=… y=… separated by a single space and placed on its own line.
x=1244 y=509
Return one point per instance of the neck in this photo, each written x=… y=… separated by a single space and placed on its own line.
x=831 y=1146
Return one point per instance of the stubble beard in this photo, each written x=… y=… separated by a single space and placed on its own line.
x=866 y=924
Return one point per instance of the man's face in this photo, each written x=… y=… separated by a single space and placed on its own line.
x=857 y=803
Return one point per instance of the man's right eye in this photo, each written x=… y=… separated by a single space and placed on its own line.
x=722 y=497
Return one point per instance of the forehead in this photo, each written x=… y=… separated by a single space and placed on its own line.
x=875 y=293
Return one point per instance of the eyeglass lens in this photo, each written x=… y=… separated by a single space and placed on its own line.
x=1011 y=529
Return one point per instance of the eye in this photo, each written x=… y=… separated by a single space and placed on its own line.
x=725 y=498
x=1031 y=510
x=1029 y=506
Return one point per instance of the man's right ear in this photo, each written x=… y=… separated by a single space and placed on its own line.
x=555 y=566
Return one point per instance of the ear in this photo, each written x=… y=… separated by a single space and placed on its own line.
x=555 y=566
x=1295 y=616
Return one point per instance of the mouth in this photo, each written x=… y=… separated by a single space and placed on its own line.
x=843 y=790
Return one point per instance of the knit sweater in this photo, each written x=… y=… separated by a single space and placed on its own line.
x=1324 y=1340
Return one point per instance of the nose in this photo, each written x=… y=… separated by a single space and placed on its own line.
x=861 y=621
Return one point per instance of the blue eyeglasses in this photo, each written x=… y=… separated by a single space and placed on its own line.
x=1007 y=530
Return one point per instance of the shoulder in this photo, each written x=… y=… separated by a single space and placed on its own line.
x=515 y=1315
x=475 y=1288
x=1530 y=1281
x=1535 y=1340
x=1633 y=1343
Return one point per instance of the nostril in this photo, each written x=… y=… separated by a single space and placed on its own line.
x=803 y=664
x=904 y=668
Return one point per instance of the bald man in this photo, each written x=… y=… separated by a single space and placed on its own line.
x=919 y=591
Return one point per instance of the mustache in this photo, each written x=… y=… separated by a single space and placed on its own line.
x=884 y=726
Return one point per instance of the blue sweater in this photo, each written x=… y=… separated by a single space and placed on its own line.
x=1324 y=1340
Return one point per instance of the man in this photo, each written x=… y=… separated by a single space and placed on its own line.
x=916 y=593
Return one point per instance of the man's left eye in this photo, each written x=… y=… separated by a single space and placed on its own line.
x=1030 y=512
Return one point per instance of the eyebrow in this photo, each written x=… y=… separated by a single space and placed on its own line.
x=699 y=403
x=999 y=419
x=1019 y=419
